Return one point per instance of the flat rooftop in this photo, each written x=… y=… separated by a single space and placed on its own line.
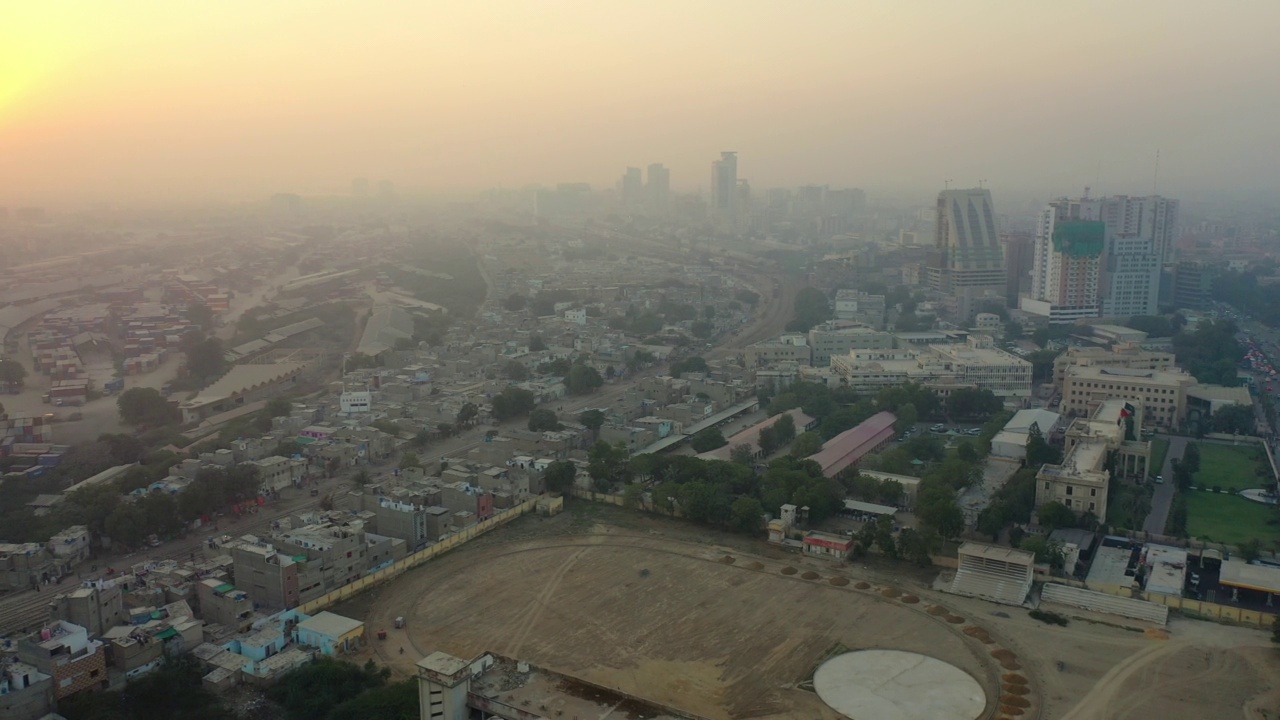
x=556 y=695
x=1109 y=566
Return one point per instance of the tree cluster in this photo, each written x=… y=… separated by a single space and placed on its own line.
x=329 y=689
x=1211 y=352
x=513 y=402
x=693 y=363
x=145 y=406
x=812 y=307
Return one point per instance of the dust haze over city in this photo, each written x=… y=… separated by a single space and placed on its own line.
x=706 y=360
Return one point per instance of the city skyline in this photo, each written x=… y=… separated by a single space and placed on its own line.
x=169 y=101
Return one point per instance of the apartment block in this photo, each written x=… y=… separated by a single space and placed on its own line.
x=793 y=348
x=65 y=652
x=96 y=605
x=838 y=338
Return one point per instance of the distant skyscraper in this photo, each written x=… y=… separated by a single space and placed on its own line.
x=1136 y=232
x=724 y=188
x=1019 y=255
x=631 y=189
x=1066 y=269
x=658 y=189
x=967 y=246
x=360 y=187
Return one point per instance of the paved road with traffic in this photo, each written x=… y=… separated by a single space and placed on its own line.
x=1162 y=498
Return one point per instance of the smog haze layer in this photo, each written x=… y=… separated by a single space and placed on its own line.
x=170 y=100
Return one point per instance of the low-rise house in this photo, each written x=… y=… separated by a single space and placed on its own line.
x=65 y=652
x=330 y=633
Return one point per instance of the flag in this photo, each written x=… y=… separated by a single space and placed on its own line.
x=1126 y=412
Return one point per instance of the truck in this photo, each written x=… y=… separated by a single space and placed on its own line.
x=166 y=390
x=114 y=385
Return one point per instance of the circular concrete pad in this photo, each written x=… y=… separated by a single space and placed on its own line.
x=895 y=685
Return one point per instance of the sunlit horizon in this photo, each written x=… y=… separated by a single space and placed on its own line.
x=153 y=101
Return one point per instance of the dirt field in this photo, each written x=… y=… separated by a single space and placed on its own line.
x=711 y=624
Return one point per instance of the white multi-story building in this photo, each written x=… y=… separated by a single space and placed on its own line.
x=1130 y=278
x=1067 y=261
x=724 y=188
x=860 y=306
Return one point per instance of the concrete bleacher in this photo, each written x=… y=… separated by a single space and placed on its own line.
x=998 y=574
x=1104 y=603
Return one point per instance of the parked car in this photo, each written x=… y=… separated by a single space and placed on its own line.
x=938 y=428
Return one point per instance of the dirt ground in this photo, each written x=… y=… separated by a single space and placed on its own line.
x=710 y=623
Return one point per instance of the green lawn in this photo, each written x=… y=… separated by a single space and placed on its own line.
x=1159 y=449
x=1228 y=518
x=1228 y=466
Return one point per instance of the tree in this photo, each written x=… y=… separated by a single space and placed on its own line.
x=812 y=307
x=200 y=315
x=467 y=414
x=607 y=464
x=410 y=460
x=702 y=329
x=542 y=419
x=559 y=476
x=1054 y=515
x=1046 y=551
x=767 y=441
x=747 y=515
x=742 y=454
x=907 y=417
x=971 y=403
x=515 y=371
x=1012 y=330
x=806 y=444
x=1251 y=549
x=582 y=379
x=1039 y=451
x=287 y=448
x=514 y=302
x=124 y=449
x=919 y=546
x=513 y=402
x=12 y=372
x=693 y=363
x=784 y=429
x=536 y=343
x=145 y=406
x=205 y=359
x=592 y=419
x=397 y=701
x=313 y=690
x=125 y=525
x=632 y=496
x=279 y=406
x=941 y=514
x=1234 y=419
x=1191 y=458
x=708 y=440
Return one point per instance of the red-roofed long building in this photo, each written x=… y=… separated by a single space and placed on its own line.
x=849 y=447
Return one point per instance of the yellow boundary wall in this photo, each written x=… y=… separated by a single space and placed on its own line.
x=411 y=561
x=1207 y=610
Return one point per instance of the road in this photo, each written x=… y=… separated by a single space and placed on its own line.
x=1162 y=499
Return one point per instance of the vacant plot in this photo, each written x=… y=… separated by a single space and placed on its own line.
x=1230 y=519
x=661 y=620
x=1229 y=466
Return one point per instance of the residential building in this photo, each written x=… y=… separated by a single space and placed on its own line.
x=1162 y=394
x=70 y=547
x=838 y=338
x=25 y=692
x=1082 y=480
x=330 y=633
x=1153 y=216
x=276 y=473
x=791 y=347
x=1130 y=280
x=861 y=307
x=1067 y=261
x=97 y=606
x=222 y=603
x=65 y=652
x=24 y=566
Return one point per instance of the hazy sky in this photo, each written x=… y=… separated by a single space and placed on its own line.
x=133 y=99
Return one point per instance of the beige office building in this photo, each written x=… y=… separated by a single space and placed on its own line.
x=1162 y=394
x=1081 y=481
x=974 y=363
x=1127 y=355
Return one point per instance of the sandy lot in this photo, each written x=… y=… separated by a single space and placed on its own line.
x=664 y=611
